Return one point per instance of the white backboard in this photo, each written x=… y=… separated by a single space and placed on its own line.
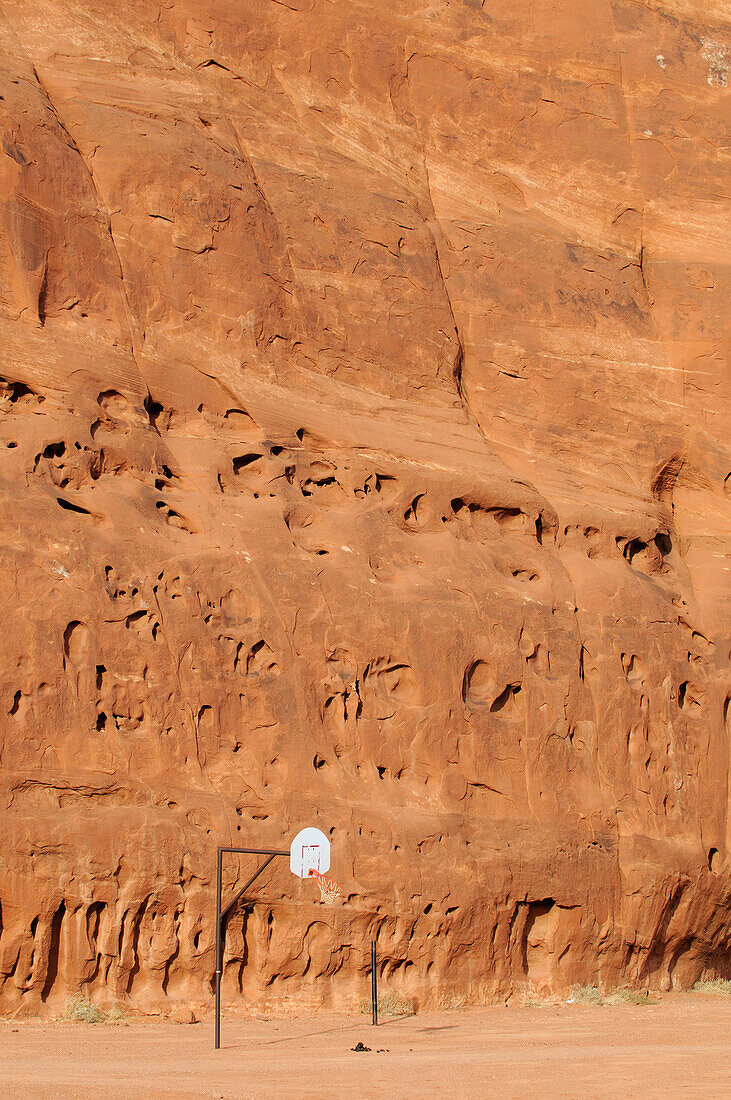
x=310 y=849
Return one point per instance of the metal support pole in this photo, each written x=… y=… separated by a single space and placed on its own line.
x=222 y=914
x=374 y=983
x=217 y=1042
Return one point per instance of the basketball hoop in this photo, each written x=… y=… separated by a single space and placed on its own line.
x=330 y=890
x=310 y=858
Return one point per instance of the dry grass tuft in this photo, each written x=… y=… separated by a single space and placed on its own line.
x=590 y=995
x=389 y=1004
x=629 y=997
x=585 y=995
x=720 y=986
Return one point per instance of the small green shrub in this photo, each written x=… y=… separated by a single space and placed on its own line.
x=714 y=985
x=81 y=1010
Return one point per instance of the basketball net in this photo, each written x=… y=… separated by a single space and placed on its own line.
x=329 y=888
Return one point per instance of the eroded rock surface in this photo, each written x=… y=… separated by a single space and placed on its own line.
x=364 y=437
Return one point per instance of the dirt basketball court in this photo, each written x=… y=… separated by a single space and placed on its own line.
x=679 y=1047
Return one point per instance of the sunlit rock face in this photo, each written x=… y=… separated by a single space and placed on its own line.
x=364 y=435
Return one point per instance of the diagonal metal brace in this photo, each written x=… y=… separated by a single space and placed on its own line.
x=237 y=897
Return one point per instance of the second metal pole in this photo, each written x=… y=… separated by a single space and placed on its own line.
x=374 y=983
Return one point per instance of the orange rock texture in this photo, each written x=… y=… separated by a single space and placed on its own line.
x=365 y=464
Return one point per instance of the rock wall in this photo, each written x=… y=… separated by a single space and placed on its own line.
x=364 y=438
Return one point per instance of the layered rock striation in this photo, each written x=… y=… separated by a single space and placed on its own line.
x=363 y=463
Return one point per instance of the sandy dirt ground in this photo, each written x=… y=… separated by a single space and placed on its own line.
x=679 y=1047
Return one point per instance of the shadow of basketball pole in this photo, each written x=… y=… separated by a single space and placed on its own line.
x=337 y=1030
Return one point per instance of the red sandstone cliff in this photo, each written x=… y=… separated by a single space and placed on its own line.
x=365 y=463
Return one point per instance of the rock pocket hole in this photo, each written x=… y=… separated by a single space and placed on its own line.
x=634 y=670
x=476 y=683
x=412 y=515
x=243 y=461
x=506 y=700
x=69 y=507
x=76 y=642
x=689 y=696
x=153 y=409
